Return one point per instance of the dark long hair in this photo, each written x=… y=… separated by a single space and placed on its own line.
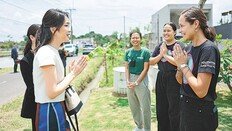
x=52 y=18
x=31 y=31
x=193 y=14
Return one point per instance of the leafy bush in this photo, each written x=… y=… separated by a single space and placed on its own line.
x=88 y=74
x=225 y=74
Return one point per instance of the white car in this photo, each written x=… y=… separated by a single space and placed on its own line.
x=87 y=48
x=71 y=49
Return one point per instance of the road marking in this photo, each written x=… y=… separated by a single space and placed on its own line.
x=2 y=82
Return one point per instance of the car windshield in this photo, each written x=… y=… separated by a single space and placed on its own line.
x=68 y=46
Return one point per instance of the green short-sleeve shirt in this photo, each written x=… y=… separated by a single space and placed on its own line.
x=139 y=56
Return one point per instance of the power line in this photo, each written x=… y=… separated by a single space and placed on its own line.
x=91 y=18
x=14 y=20
x=15 y=5
x=28 y=11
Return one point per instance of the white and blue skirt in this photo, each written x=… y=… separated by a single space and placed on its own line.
x=51 y=117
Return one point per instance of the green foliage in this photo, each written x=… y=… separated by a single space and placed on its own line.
x=7 y=45
x=225 y=74
x=88 y=74
x=218 y=37
x=186 y=42
x=98 y=38
x=112 y=53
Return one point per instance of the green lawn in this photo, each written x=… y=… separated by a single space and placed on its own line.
x=6 y=70
x=10 y=119
x=224 y=104
x=106 y=112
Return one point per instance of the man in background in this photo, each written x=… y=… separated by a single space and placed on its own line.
x=14 y=55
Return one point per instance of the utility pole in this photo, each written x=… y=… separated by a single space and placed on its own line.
x=70 y=15
x=124 y=29
x=90 y=36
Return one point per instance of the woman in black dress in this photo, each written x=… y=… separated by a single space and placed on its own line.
x=26 y=66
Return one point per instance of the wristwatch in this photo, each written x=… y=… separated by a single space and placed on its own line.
x=183 y=66
x=136 y=83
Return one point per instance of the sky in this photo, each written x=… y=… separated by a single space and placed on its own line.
x=100 y=16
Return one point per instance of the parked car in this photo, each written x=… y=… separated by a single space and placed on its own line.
x=71 y=49
x=87 y=48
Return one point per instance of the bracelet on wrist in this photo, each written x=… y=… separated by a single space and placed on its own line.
x=182 y=66
x=136 y=83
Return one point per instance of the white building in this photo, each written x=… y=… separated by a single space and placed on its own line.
x=171 y=13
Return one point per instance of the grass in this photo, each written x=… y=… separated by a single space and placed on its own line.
x=5 y=70
x=88 y=74
x=105 y=112
x=10 y=117
x=224 y=104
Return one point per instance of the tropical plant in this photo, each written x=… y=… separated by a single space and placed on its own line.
x=225 y=74
x=110 y=53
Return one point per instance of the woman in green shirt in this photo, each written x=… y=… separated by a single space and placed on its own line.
x=136 y=67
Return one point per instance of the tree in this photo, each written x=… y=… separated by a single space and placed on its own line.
x=201 y=3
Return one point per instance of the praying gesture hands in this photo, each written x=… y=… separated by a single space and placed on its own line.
x=163 y=49
x=179 y=55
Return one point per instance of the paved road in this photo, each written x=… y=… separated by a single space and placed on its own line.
x=7 y=61
x=11 y=86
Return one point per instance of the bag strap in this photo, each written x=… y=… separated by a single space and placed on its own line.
x=76 y=120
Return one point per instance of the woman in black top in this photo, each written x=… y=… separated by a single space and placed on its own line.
x=167 y=88
x=63 y=56
x=29 y=105
x=198 y=72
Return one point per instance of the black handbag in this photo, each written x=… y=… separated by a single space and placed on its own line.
x=73 y=105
